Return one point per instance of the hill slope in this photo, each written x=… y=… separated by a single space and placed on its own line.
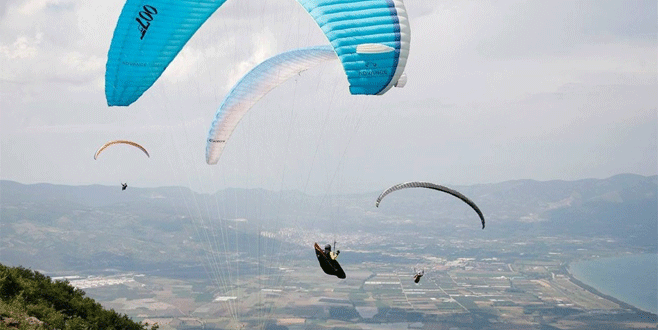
x=30 y=300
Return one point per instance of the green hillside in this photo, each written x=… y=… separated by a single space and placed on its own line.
x=30 y=300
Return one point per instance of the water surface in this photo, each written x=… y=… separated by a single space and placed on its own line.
x=632 y=279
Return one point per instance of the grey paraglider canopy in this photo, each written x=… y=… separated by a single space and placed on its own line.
x=429 y=185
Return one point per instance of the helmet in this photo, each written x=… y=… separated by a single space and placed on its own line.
x=327 y=247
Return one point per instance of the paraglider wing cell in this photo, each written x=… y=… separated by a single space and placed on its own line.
x=429 y=185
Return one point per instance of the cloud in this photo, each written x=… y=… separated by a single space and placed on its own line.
x=37 y=127
x=263 y=46
x=23 y=47
x=33 y=65
x=517 y=30
x=45 y=45
x=32 y=7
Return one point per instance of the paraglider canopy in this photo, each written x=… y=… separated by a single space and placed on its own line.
x=429 y=185
x=253 y=86
x=111 y=143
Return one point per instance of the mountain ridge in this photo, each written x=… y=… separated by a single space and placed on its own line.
x=94 y=226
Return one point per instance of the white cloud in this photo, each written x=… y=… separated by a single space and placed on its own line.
x=23 y=47
x=263 y=46
x=82 y=63
x=32 y=7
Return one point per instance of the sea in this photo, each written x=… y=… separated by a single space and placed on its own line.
x=632 y=279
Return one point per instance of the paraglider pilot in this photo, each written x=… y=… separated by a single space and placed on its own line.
x=418 y=276
x=328 y=262
x=124 y=186
x=332 y=255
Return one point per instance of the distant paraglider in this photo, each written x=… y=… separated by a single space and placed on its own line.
x=429 y=185
x=124 y=186
x=111 y=143
x=418 y=275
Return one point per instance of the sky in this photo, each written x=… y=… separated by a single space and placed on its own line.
x=497 y=90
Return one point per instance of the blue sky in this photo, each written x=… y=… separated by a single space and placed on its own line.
x=497 y=91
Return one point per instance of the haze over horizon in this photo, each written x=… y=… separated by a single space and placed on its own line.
x=364 y=189
x=497 y=91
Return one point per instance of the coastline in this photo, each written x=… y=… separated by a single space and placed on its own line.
x=594 y=291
